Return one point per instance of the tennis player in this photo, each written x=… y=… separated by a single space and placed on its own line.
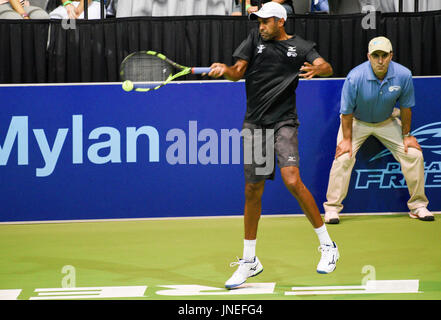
x=271 y=62
x=369 y=95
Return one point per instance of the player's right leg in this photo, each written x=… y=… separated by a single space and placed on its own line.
x=249 y=265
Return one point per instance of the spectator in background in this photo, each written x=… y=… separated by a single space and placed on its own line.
x=408 y=5
x=20 y=9
x=111 y=8
x=253 y=5
x=75 y=10
x=163 y=8
x=423 y=5
x=356 y=6
x=319 y=5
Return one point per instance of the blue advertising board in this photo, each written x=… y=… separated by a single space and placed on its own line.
x=94 y=151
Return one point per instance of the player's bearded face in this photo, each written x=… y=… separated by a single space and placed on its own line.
x=268 y=28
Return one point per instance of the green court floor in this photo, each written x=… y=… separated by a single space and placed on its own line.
x=189 y=259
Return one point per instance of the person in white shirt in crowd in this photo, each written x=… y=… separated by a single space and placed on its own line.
x=74 y=9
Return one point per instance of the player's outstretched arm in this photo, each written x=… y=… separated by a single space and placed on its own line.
x=233 y=73
x=319 y=67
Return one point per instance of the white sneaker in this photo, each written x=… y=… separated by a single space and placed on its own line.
x=422 y=213
x=246 y=269
x=329 y=258
x=331 y=217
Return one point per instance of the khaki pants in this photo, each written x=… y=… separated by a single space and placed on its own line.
x=388 y=133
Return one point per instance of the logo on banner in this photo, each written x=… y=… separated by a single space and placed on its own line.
x=391 y=177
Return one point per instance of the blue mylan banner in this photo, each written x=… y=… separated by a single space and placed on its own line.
x=93 y=151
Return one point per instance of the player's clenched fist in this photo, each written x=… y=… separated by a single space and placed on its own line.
x=217 y=70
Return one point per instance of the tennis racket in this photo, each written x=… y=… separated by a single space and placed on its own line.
x=144 y=71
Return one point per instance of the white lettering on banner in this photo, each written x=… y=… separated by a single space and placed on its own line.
x=113 y=144
x=106 y=146
x=235 y=136
x=208 y=153
x=90 y=292
x=50 y=156
x=77 y=139
x=132 y=142
x=392 y=178
x=428 y=137
x=18 y=131
x=177 y=152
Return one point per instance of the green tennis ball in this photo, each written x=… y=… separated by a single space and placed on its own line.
x=127 y=85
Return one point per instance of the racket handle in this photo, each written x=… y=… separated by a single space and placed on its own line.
x=199 y=70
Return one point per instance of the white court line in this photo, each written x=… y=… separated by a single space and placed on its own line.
x=372 y=286
x=328 y=288
x=201 y=218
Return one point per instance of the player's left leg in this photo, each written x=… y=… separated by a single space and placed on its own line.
x=286 y=148
x=293 y=182
x=328 y=248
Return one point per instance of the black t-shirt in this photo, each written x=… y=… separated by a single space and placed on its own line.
x=272 y=76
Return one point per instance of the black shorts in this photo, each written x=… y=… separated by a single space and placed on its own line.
x=281 y=141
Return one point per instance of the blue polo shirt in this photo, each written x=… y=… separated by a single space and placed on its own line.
x=373 y=100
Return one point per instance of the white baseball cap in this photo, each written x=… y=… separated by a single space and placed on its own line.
x=268 y=10
x=380 y=44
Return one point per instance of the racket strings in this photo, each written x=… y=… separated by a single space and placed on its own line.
x=143 y=67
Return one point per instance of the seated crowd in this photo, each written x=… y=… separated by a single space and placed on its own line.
x=74 y=9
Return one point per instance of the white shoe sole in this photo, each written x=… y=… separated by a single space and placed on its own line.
x=426 y=218
x=234 y=286
x=333 y=221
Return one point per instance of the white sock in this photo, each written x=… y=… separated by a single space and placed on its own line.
x=323 y=235
x=249 y=250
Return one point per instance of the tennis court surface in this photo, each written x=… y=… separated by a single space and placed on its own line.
x=381 y=257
